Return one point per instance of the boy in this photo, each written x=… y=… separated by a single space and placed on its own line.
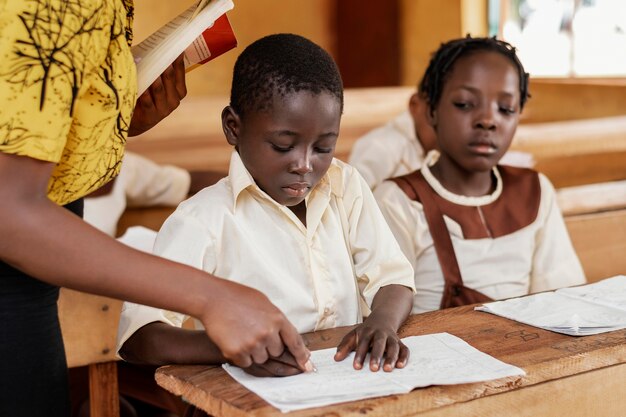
x=289 y=220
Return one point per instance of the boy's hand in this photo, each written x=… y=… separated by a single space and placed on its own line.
x=377 y=338
x=160 y=99
x=283 y=365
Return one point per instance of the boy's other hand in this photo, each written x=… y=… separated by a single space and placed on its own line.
x=160 y=99
x=377 y=338
x=248 y=329
x=283 y=365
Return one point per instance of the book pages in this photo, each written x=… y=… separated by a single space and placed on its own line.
x=154 y=54
x=441 y=359
x=577 y=311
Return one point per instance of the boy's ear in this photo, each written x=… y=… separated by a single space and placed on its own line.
x=231 y=123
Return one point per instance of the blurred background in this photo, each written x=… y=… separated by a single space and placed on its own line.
x=388 y=43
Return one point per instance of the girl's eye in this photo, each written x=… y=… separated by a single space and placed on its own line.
x=282 y=149
x=507 y=110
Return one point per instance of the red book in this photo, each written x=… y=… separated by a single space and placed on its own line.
x=213 y=42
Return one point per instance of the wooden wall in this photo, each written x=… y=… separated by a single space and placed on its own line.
x=251 y=19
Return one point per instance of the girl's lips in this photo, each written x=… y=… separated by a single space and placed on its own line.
x=483 y=148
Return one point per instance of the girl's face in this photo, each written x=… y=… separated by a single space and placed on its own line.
x=288 y=147
x=478 y=111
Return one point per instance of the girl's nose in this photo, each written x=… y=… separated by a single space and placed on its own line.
x=485 y=119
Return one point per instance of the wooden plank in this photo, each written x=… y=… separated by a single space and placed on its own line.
x=599 y=241
x=592 y=198
x=89 y=327
x=594 y=393
x=545 y=356
x=104 y=399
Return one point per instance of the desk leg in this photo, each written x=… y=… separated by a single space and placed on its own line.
x=104 y=397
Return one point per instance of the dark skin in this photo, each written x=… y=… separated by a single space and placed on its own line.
x=475 y=121
x=287 y=150
x=426 y=135
x=239 y=320
x=160 y=99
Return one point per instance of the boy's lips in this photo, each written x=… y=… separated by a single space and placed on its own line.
x=297 y=189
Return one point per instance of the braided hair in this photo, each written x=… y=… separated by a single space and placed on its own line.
x=443 y=60
x=278 y=65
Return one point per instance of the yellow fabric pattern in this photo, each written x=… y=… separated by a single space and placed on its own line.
x=67 y=88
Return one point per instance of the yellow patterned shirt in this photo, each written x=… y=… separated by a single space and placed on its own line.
x=67 y=88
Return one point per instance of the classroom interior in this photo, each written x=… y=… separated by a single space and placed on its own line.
x=574 y=124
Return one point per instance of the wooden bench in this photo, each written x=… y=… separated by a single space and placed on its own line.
x=569 y=152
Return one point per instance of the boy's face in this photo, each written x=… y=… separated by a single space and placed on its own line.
x=478 y=112
x=288 y=147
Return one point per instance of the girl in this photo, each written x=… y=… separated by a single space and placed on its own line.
x=506 y=231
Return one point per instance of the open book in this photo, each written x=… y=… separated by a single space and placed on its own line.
x=202 y=32
x=577 y=311
x=436 y=359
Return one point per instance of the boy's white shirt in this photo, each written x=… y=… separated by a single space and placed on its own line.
x=393 y=150
x=234 y=230
x=538 y=257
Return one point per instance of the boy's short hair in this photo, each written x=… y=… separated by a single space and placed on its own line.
x=280 y=64
x=444 y=58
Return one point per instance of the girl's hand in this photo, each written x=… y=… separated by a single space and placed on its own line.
x=380 y=340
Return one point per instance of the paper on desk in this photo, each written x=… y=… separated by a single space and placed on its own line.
x=440 y=358
x=577 y=311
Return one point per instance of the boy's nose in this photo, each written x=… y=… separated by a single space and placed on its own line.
x=302 y=164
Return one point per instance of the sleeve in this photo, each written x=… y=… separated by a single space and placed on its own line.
x=151 y=184
x=182 y=239
x=36 y=90
x=375 y=158
x=396 y=209
x=378 y=260
x=555 y=263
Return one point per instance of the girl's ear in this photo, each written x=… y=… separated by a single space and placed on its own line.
x=419 y=109
x=231 y=124
x=431 y=116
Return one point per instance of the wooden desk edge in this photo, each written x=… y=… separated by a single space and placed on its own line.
x=603 y=351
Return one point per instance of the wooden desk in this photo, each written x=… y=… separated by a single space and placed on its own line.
x=565 y=375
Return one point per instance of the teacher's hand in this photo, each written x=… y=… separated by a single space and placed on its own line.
x=160 y=99
x=248 y=329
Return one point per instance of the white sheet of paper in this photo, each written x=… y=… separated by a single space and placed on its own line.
x=578 y=311
x=440 y=358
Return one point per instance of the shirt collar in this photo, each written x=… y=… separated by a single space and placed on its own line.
x=431 y=159
x=240 y=179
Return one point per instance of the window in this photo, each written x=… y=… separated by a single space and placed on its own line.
x=564 y=38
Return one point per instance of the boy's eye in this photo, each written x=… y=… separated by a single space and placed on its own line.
x=283 y=149
x=462 y=105
x=324 y=150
